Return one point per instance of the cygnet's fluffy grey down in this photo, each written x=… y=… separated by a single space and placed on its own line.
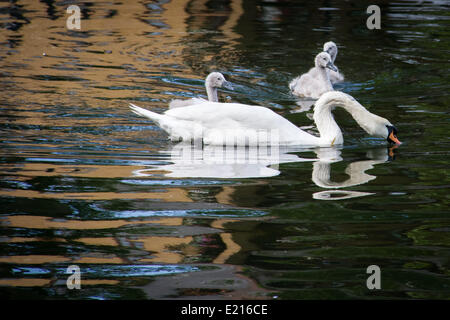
x=331 y=48
x=316 y=81
x=213 y=81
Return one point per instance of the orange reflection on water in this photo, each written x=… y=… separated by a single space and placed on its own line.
x=171 y=195
x=30 y=282
x=25 y=282
x=23 y=239
x=99 y=260
x=54 y=170
x=40 y=222
x=231 y=246
x=34 y=259
x=165 y=249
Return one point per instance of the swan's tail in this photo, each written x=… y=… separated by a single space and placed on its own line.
x=145 y=113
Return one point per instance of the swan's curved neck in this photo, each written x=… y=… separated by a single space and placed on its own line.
x=212 y=93
x=327 y=126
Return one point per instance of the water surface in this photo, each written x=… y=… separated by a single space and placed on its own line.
x=86 y=182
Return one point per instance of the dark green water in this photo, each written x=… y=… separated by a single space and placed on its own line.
x=86 y=182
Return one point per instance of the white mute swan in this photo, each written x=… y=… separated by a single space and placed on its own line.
x=213 y=81
x=316 y=81
x=239 y=124
x=331 y=48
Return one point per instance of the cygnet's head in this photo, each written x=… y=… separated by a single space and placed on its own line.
x=323 y=60
x=217 y=80
x=331 y=48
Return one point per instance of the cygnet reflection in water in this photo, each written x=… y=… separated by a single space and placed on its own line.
x=304 y=105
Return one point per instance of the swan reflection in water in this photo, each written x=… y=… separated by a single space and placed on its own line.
x=321 y=174
x=226 y=162
x=233 y=162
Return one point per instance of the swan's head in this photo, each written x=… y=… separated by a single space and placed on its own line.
x=380 y=127
x=331 y=48
x=323 y=60
x=217 y=80
x=392 y=135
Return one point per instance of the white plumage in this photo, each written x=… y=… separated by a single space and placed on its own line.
x=331 y=48
x=316 y=81
x=239 y=124
x=213 y=81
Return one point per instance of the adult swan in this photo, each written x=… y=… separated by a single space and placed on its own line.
x=239 y=124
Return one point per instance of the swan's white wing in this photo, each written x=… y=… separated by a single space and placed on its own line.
x=221 y=115
x=216 y=122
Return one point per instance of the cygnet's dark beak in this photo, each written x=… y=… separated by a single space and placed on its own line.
x=227 y=85
x=331 y=66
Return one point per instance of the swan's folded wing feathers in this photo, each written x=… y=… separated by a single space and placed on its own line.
x=221 y=115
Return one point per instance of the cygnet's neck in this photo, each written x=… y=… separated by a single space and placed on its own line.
x=324 y=77
x=211 y=92
x=333 y=55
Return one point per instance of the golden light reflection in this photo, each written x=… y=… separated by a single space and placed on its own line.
x=30 y=282
x=23 y=239
x=171 y=195
x=40 y=222
x=99 y=260
x=129 y=22
x=108 y=241
x=228 y=27
x=49 y=51
x=231 y=246
x=24 y=282
x=34 y=259
x=163 y=248
x=54 y=170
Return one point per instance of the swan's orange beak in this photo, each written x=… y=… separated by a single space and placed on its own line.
x=394 y=139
